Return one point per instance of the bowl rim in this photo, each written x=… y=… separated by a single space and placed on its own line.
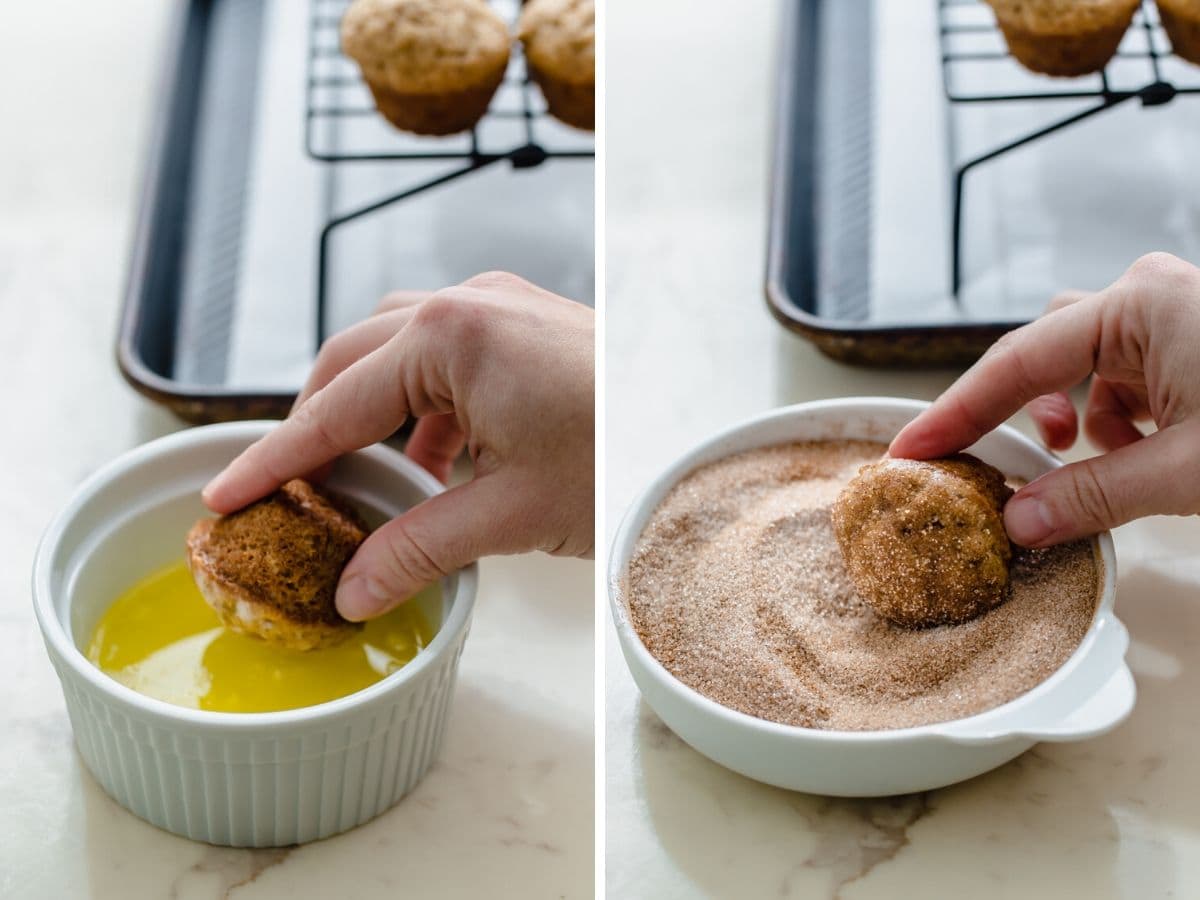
x=61 y=645
x=1103 y=616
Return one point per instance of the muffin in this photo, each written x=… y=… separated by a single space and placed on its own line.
x=271 y=570
x=559 y=37
x=924 y=541
x=1063 y=37
x=432 y=65
x=1181 y=20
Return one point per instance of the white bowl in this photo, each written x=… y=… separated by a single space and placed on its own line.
x=1090 y=694
x=243 y=779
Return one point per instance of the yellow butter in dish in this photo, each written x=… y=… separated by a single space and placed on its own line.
x=161 y=639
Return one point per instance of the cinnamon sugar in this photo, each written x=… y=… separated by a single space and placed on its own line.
x=737 y=586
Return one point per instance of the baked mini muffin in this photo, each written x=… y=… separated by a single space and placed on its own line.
x=432 y=65
x=924 y=541
x=1181 y=20
x=270 y=570
x=1063 y=37
x=559 y=37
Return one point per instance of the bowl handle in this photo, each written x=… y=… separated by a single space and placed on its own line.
x=1058 y=716
x=1102 y=711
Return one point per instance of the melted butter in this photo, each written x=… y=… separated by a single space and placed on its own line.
x=161 y=639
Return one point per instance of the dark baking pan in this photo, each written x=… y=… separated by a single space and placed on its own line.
x=272 y=184
x=987 y=251
x=153 y=328
x=818 y=258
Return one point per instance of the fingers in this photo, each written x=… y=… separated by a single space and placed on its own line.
x=362 y=405
x=1106 y=491
x=1111 y=407
x=1055 y=418
x=435 y=444
x=347 y=347
x=428 y=542
x=1046 y=356
x=1111 y=411
x=1054 y=414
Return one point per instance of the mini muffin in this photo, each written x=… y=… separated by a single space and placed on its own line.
x=924 y=541
x=1063 y=37
x=559 y=37
x=270 y=570
x=1181 y=20
x=432 y=65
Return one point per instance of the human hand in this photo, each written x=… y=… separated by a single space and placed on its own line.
x=495 y=364
x=1140 y=340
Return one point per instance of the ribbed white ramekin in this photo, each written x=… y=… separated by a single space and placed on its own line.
x=242 y=779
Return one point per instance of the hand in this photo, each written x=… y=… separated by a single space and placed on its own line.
x=495 y=364
x=1140 y=339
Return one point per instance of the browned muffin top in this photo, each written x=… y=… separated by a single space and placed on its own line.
x=1064 y=17
x=560 y=38
x=425 y=46
x=924 y=541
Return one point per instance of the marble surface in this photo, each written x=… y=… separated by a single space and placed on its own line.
x=1114 y=817
x=508 y=809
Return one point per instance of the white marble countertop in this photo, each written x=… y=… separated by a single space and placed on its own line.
x=691 y=348
x=508 y=809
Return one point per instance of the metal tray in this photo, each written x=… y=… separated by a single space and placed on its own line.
x=864 y=87
x=264 y=141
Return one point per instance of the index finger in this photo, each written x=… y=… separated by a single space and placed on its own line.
x=355 y=342
x=364 y=404
x=1050 y=354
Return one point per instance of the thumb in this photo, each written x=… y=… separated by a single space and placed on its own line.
x=431 y=540
x=1153 y=476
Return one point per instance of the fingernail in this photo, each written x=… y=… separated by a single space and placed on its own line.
x=361 y=597
x=1028 y=521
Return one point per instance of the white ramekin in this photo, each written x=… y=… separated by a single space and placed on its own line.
x=1090 y=694
x=242 y=779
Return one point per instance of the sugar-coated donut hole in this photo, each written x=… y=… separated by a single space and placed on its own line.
x=924 y=540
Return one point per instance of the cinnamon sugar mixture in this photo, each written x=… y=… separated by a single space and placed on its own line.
x=737 y=586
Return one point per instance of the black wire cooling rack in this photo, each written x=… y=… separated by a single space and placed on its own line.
x=338 y=105
x=974 y=59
